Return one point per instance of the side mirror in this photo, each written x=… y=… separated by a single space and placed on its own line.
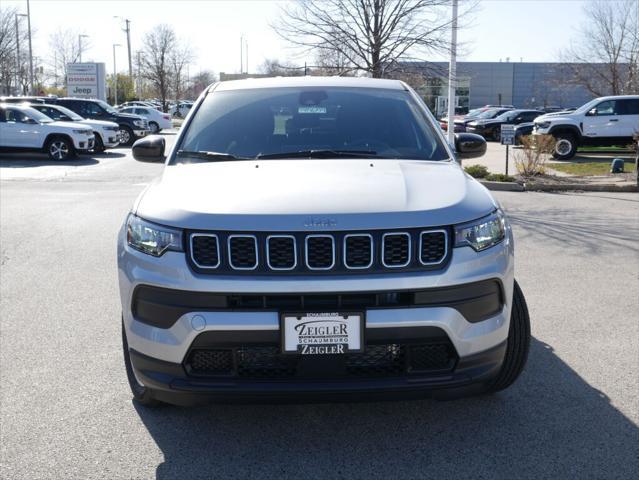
x=469 y=145
x=149 y=149
x=592 y=112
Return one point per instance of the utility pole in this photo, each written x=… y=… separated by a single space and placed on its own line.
x=241 y=54
x=127 y=29
x=452 y=77
x=30 y=50
x=247 y=65
x=18 y=62
x=115 y=77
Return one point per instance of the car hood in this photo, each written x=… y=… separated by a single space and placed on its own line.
x=314 y=194
x=76 y=125
x=98 y=123
x=130 y=115
x=559 y=116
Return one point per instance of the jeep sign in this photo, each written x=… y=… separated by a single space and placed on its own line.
x=86 y=80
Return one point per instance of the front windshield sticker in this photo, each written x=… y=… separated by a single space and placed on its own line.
x=312 y=109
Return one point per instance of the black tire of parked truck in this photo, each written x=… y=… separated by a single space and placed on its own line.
x=141 y=394
x=565 y=146
x=517 y=345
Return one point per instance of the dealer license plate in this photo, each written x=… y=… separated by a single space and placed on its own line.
x=325 y=333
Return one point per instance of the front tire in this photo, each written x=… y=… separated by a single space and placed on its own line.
x=141 y=394
x=517 y=346
x=60 y=149
x=565 y=146
x=126 y=136
x=99 y=144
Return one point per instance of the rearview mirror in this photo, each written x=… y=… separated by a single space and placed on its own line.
x=149 y=149
x=469 y=145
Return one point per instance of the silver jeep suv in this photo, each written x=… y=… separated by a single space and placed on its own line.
x=314 y=239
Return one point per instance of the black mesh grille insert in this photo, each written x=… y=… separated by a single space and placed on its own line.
x=243 y=252
x=267 y=362
x=433 y=247
x=205 y=250
x=436 y=356
x=396 y=249
x=281 y=252
x=359 y=251
x=319 y=252
x=210 y=362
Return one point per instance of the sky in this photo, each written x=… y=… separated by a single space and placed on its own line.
x=528 y=30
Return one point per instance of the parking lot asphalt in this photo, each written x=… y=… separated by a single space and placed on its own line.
x=66 y=410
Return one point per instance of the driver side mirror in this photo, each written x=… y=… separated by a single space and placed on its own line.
x=469 y=145
x=29 y=121
x=149 y=149
x=592 y=112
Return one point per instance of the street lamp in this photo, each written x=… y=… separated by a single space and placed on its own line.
x=80 y=37
x=18 y=62
x=30 y=49
x=115 y=77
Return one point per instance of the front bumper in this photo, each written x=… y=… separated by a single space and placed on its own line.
x=84 y=144
x=141 y=133
x=159 y=354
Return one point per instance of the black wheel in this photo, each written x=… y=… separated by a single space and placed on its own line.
x=98 y=147
x=126 y=136
x=518 y=344
x=141 y=394
x=565 y=146
x=154 y=127
x=60 y=149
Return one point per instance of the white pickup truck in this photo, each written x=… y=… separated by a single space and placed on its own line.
x=23 y=128
x=604 y=121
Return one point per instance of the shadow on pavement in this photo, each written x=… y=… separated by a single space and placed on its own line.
x=593 y=233
x=42 y=160
x=550 y=424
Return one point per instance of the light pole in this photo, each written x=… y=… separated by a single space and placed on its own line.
x=127 y=29
x=452 y=77
x=115 y=77
x=18 y=62
x=30 y=50
x=241 y=54
x=80 y=37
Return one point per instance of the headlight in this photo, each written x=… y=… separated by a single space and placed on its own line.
x=542 y=125
x=150 y=238
x=482 y=233
x=138 y=123
x=83 y=132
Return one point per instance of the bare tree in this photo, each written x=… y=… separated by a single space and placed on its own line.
x=64 y=49
x=604 y=58
x=158 y=46
x=374 y=36
x=12 y=70
x=275 y=68
x=202 y=80
x=180 y=57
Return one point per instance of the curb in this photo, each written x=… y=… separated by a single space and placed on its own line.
x=503 y=186
x=604 y=187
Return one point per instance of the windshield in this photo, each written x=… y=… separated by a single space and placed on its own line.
x=107 y=107
x=587 y=106
x=38 y=116
x=69 y=113
x=488 y=114
x=272 y=122
x=507 y=116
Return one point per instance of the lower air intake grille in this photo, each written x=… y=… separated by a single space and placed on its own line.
x=267 y=362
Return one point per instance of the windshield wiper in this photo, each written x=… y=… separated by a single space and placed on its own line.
x=206 y=155
x=322 y=154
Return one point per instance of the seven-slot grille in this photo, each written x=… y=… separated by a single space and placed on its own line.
x=328 y=253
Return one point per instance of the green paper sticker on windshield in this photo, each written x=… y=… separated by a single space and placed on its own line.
x=311 y=109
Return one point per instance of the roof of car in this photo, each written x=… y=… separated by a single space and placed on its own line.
x=282 y=82
x=619 y=97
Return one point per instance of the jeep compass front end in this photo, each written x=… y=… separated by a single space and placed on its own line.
x=312 y=239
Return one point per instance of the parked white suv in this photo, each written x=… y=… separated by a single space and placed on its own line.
x=604 y=121
x=23 y=128
x=107 y=134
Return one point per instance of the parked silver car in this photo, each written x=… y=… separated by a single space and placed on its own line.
x=315 y=238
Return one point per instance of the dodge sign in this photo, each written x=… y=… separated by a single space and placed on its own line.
x=86 y=80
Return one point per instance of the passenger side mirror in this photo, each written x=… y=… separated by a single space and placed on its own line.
x=149 y=149
x=469 y=145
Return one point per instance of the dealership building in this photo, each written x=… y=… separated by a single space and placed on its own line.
x=521 y=84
